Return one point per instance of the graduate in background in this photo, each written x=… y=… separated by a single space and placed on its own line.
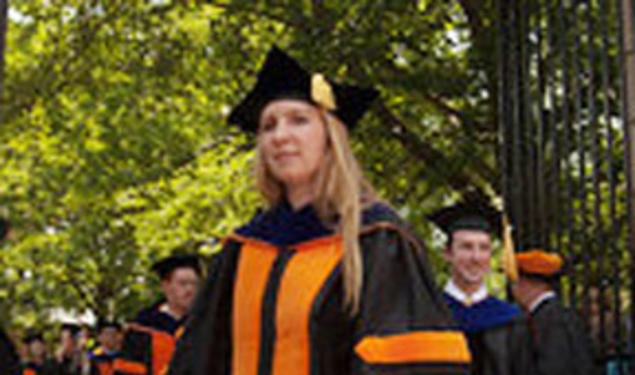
x=69 y=355
x=327 y=280
x=102 y=358
x=496 y=329
x=9 y=360
x=37 y=361
x=560 y=343
x=150 y=339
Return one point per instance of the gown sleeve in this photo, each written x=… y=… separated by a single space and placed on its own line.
x=135 y=355
x=562 y=345
x=403 y=325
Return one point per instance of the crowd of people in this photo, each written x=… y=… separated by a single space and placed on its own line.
x=329 y=279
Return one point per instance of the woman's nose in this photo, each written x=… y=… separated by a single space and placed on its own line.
x=281 y=132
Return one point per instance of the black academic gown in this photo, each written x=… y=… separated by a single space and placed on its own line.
x=149 y=343
x=102 y=362
x=46 y=368
x=498 y=336
x=9 y=361
x=69 y=365
x=273 y=305
x=560 y=343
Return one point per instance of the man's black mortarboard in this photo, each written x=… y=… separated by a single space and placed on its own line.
x=281 y=77
x=32 y=335
x=104 y=323
x=72 y=328
x=165 y=266
x=473 y=212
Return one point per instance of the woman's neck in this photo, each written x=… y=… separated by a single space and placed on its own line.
x=299 y=195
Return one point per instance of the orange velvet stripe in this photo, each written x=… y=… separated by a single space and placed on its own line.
x=255 y=263
x=163 y=345
x=129 y=367
x=28 y=371
x=303 y=278
x=415 y=347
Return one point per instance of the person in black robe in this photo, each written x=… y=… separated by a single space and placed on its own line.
x=496 y=329
x=150 y=339
x=37 y=362
x=9 y=360
x=327 y=280
x=560 y=343
x=68 y=357
x=102 y=358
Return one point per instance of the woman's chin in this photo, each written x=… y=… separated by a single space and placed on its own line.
x=292 y=178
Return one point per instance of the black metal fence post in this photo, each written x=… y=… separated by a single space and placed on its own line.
x=565 y=154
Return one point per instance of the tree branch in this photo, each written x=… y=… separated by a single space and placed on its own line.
x=471 y=9
x=434 y=159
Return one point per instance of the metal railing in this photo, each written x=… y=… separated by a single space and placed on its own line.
x=564 y=152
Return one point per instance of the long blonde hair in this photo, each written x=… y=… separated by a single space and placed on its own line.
x=342 y=192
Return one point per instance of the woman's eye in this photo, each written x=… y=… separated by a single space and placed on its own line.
x=300 y=120
x=267 y=126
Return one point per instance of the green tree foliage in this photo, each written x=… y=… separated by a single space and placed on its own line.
x=114 y=149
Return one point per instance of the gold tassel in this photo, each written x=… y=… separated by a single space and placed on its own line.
x=322 y=92
x=509 y=259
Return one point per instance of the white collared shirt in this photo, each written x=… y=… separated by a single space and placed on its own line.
x=455 y=292
x=540 y=299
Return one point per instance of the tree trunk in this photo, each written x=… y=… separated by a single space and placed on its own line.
x=4 y=20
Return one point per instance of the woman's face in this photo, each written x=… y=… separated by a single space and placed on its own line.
x=292 y=140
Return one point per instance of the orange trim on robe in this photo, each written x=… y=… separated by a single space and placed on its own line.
x=28 y=371
x=304 y=276
x=106 y=368
x=415 y=347
x=130 y=367
x=255 y=263
x=163 y=346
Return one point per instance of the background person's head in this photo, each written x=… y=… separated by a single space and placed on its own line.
x=108 y=335
x=179 y=276
x=469 y=254
x=35 y=346
x=303 y=153
x=538 y=270
x=469 y=226
x=68 y=344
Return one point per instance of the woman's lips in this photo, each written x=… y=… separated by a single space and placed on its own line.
x=284 y=155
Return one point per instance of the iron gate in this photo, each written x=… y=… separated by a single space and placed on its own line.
x=564 y=153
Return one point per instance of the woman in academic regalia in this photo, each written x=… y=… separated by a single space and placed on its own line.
x=328 y=280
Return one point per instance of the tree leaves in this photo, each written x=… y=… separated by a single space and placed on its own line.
x=115 y=150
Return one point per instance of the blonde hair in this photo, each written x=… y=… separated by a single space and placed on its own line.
x=342 y=192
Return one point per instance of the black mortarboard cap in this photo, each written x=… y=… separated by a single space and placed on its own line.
x=165 y=266
x=105 y=323
x=473 y=212
x=32 y=335
x=281 y=77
